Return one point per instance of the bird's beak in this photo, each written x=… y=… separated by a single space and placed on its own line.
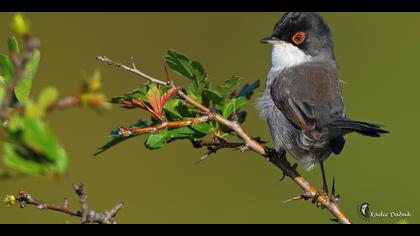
x=270 y=40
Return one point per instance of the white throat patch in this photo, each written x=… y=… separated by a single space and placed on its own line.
x=285 y=55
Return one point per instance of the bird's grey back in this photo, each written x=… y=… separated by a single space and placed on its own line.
x=315 y=83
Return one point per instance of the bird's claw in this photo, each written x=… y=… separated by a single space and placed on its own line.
x=334 y=197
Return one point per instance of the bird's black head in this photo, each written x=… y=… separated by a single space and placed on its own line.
x=305 y=30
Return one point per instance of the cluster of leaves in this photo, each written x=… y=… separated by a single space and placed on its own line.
x=165 y=106
x=29 y=146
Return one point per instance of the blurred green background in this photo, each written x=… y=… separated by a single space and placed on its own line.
x=378 y=55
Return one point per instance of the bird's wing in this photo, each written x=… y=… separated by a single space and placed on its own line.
x=309 y=96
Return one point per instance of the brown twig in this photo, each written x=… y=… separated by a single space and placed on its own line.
x=86 y=215
x=278 y=159
x=123 y=132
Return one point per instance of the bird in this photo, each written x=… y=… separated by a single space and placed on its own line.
x=303 y=101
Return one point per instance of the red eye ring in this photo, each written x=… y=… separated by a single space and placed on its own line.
x=298 y=37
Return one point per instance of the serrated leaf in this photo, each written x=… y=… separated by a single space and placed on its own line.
x=227 y=89
x=13 y=45
x=153 y=96
x=7 y=68
x=248 y=90
x=234 y=105
x=167 y=96
x=24 y=84
x=189 y=69
x=182 y=65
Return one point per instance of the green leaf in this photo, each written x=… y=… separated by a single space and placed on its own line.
x=234 y=105
x=248 y=90
x=189 y=69
x=7 y=68
x=140 y=93
x=13 y=159
x=45 y=99
x=116 y=138
x=212 y=97
x=33 y=149
x=24 y=84
x=182 y=65
x=13 y=45
x=157 y=140
x=171 y=108
x=201 y=129
x=227 y=89
x=194 y=132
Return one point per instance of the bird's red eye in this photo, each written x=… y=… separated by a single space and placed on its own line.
x=298 y=37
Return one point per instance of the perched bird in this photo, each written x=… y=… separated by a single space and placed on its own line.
x=303 y=102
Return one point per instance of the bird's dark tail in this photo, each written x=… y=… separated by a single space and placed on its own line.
x=368 y=129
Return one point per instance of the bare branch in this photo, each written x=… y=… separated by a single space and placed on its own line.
x=132 y=70
x=86 y=215
x=278 y=159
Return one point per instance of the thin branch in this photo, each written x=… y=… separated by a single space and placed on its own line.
x=73 y=101
x=123 y=132
x=63 y=103
x=132 y=70
x=278 y=159
x=85 y=214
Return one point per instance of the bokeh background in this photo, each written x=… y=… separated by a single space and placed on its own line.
x=378 y=55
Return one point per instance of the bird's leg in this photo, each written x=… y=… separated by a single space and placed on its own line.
x=324 y=179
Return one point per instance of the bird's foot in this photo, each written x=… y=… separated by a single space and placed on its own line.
x=320 y=194
x=334 y=197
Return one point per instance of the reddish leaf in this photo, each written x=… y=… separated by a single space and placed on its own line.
x=165 y=98
x=153 y=96
x=137 y=102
